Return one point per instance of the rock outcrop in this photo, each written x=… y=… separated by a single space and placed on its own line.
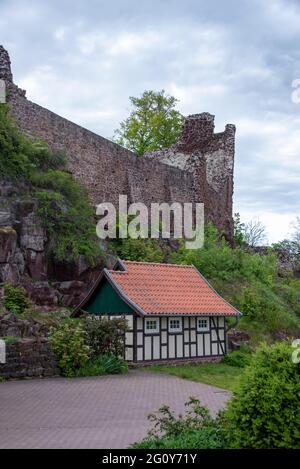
x=25 y=257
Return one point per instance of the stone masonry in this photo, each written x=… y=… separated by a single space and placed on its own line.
x=198 y=168
x=28 y=358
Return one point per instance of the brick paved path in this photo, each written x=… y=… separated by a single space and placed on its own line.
x=100 y=412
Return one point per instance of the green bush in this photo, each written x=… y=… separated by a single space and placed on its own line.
x=195 y=429
x=217 y=260
x=249 y=282
x=103 y=365
x=10 y=339
x=68 y=343
x=43 y=159
x=15 y=299
x=206 y=438
x=262 y=305
x=14 y=161
x=240 y=358
x=67 y=216
x=104 y=336
x=265 y=409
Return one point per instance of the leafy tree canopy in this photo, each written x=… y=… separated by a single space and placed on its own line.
x=153 y=124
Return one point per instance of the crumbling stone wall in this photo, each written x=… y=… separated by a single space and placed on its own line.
x=28 y=358
x=209 y=157
x=199 y=168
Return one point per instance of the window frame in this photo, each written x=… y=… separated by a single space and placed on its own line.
x=174 y=331
x=151 y=331
x=203 y=329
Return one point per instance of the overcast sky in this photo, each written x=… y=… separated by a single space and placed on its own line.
x=236 y=59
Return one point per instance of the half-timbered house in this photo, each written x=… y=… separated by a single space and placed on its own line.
x=173 y=313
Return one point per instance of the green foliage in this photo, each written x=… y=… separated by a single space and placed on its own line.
x=63 y=204
x=260 y=304
x=68 y=343
x=239 y=358
x=103 y=365
x=104 y=336
x=218 y=260
x=239 y=230
x=248 y=281
x=89 y=346
x=206 y=438
x=67 y=216
x=265 y=409
x=43 y=159
x=11 y=339
x=14 y=160
x=153 y=124
x=15 y=299
x=139 y=249
x=194 y=429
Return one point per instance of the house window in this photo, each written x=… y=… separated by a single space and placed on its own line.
x=175 y=325
x=202 y=324
x=151 y=326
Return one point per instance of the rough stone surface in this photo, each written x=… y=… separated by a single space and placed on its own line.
x=209 y=157
x=236 y=339
x=24 y=255
x=42 y=293
x=199 y=168
x=8 y=241
x=287 y=262
x=101 y=412
x=72 y=291
x=22 y=239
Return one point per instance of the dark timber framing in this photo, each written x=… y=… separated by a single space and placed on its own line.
x=186 y=341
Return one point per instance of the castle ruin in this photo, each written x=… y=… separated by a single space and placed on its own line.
x=198 y=168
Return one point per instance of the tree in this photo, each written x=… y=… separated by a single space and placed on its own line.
x=239 y=230
x=153 y=124
x=255 y=233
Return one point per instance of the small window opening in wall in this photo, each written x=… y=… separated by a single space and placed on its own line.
x=202 y=324
x=175 y=325
x=151 y=326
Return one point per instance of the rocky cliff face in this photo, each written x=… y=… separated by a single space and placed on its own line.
x=24 y=253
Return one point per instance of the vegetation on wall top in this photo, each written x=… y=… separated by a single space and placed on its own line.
x=153 y=124
x=63 y=204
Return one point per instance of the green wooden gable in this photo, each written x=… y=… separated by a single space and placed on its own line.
x=105 y=300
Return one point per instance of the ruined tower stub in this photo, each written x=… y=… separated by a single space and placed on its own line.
x=198 y=141
x=5 y=68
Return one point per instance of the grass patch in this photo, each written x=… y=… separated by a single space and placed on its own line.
x=220 y=375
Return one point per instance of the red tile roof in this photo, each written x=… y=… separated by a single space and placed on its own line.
x=168 y=289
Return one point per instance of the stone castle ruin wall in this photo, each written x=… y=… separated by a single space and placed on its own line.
x=198 y=168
